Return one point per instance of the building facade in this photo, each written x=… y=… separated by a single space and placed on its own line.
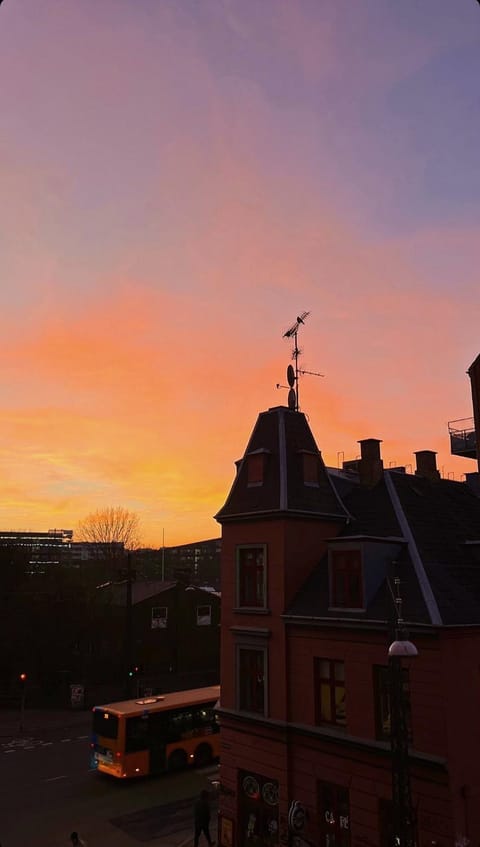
x=311 y=560
x=165 y=637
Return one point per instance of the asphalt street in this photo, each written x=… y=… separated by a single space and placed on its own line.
x=48 y=790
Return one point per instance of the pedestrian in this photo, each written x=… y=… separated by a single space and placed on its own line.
x=202 y=818
x=77 y=841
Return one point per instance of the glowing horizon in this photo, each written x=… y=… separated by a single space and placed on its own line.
x=179 y=181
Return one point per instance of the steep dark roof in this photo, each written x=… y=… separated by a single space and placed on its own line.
x=283 y=436
x=371 y=511
x=440 y=564
x=312 y=601
x=443 y=515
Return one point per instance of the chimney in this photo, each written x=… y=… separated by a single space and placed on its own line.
x=427 y=464
x=370 y=465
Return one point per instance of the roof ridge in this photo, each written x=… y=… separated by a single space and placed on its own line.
x=424 y=582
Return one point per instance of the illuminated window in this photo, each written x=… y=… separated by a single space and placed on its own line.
x=251 y=679
x=251 y=577
x=329 y=679
x=346 y=583
x=159 y=617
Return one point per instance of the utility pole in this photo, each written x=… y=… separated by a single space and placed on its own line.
x=403 y=823
x=128 y=628
x=23 y=682
x=403 y=815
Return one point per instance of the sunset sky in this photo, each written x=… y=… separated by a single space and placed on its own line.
x=178 y=180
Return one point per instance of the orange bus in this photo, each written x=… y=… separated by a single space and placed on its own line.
x=155 y=734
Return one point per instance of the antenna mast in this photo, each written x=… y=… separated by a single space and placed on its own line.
x=294 y=373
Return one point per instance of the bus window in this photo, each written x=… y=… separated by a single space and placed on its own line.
x=136 y=734
x=205 y=719
x=180 y=724
x=105 y=724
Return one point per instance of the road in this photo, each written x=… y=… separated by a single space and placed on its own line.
x=48 y=790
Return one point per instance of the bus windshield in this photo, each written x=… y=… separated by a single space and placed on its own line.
x=105 y=724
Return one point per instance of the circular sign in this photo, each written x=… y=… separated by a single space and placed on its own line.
x=251 y=786
x=270 y=793
x=297 y=816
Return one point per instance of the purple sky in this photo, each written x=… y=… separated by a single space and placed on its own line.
x=179 y=180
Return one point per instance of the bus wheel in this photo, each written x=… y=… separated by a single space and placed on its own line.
x=203 y=755
x=177 y=761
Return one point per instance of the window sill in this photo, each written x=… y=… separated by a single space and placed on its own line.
x=355 y=609
x=332 y=728
x=251 y=610
x=250 y=714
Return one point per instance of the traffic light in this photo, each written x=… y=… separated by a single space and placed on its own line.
x=22 y=678
x=135 y=670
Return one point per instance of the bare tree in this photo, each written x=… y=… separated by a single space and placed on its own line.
x=114 y=525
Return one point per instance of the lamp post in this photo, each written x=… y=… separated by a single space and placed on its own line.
x=401 y=647
x=23 y=682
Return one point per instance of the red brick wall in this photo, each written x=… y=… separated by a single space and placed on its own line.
x=294 y=548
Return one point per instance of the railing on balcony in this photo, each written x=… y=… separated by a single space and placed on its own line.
x=463 y=439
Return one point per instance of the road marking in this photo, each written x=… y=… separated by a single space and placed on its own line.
x=54 y=778
x=46 y=743
x=82 y=736
x=63 y=740
x=9 y=751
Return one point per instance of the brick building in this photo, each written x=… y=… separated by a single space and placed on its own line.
x=308 y=559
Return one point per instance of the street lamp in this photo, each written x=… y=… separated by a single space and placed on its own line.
x=22 y=678
x=401 y=647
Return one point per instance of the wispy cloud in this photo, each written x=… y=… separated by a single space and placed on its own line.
x=178 y=182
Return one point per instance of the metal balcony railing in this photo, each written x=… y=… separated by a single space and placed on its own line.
x=463 y=438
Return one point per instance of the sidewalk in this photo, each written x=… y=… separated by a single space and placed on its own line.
x=39 y=721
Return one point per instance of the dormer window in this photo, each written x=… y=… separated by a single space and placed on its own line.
x=311 y=464
x=256 y=464
x=346 y=579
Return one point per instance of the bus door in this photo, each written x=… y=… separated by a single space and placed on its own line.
x=157 y=742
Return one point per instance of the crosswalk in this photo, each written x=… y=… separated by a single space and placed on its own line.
x=28 y=743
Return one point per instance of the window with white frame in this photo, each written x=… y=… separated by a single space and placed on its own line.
x=251 y=576
x=159 y=617
x=204 y=615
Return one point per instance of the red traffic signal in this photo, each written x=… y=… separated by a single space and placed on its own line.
x=23 y=677
x=135 y=669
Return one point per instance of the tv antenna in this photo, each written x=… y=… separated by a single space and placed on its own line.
x=294 y=372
